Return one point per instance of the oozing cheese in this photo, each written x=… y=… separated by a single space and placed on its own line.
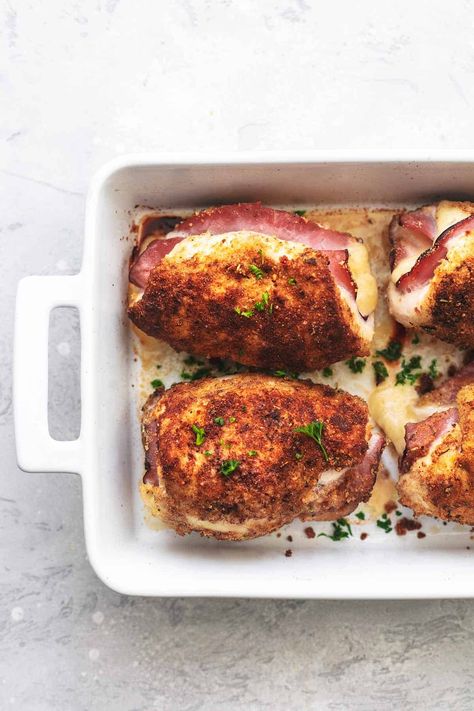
x=366 y=285
x=391 y=407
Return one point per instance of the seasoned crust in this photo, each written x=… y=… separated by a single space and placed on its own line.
x=191 y=299
x=187 y=489
x=441 y=483
x=451 y=301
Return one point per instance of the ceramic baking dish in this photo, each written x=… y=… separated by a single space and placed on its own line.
x=126 y=554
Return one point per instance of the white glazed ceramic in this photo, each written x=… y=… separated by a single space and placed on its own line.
x=126 y=554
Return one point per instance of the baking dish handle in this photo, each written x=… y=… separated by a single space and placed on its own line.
x=36 y=450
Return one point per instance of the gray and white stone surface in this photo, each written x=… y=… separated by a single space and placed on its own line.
x=87 y=80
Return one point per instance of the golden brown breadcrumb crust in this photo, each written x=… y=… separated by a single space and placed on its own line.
x=450 y=303
x=277 y=467
x=306 y=324
x=444 y=485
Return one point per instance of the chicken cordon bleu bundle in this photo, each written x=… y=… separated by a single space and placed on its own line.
x=239 y=456
x=264 y=287
x=432 y=262
x=437 y=466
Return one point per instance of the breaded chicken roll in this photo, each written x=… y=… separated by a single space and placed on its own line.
x=263 y=287
x=238 y=457
x=432 y=261
x=437 y=466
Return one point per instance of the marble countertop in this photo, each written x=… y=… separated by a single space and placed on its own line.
x=82 y=82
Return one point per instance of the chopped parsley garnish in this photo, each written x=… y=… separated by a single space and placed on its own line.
x=247 y=313
x=433 y=371
x=415 y=340
x=208 y=453
x=256 y=271
x=200 y=434
x=357 y=365
x=385 y=523
x=191 y=360
x=392 y=352
x=291 y=281
x=315 y=431
x=157 y=384
x=300 y=212
x=229 y=466
x=231 y=419
x=327 y=372
x=407 y=374
x=252 y=453
x=158 y=366
x=360 y=515
x=398 y=513
x=219 y=421
x=380 y=371
x=340 y=529
x=284 y=374
x=258 y=306
x=199 y=373
x=298 y=456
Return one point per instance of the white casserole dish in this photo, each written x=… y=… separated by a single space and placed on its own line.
x=125 y=553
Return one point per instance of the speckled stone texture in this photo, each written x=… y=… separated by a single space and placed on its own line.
x=87 y=80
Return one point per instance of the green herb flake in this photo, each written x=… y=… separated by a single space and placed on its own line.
x=291 y=281
x=360 y=515
x=300 y=213
x=433 y=371
x=341 y=529
x=298 y=456
x=185 y=375
x=357 y=365
x=410 y=372
x=398 y=513
x=200 y=434
x=229 y=466
x=315 y=431
x=385 y=523
x=327 y=372
x=191 y=360
x=246 y=313
x=208 y=453
x=380 y=371
x=219 y=421
x=231 y=419
x=157 y=384
x=280 y=373
x=256 y=271
x=252 y=453
x=392 y=352
x=415 y=340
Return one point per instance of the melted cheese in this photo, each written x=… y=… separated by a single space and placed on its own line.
x=392 y=406
x=449 y=213
x=366 y=285
x=219 y=526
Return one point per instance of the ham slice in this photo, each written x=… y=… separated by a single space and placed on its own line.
x=424 y=268
x=149 y=258
x=256 y=218
x=412 y=233
x=420 y=436
x=446 y=393
x=339 y=493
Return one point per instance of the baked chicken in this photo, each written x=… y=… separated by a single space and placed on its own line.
x=263 y=287
x=432 y=263
x=237 y=457
x=437 y=466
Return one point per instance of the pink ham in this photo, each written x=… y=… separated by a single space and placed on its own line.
x=149 y=258
x=257 y=218
x=412 y=233
x=420 y=436
x=425 y=266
